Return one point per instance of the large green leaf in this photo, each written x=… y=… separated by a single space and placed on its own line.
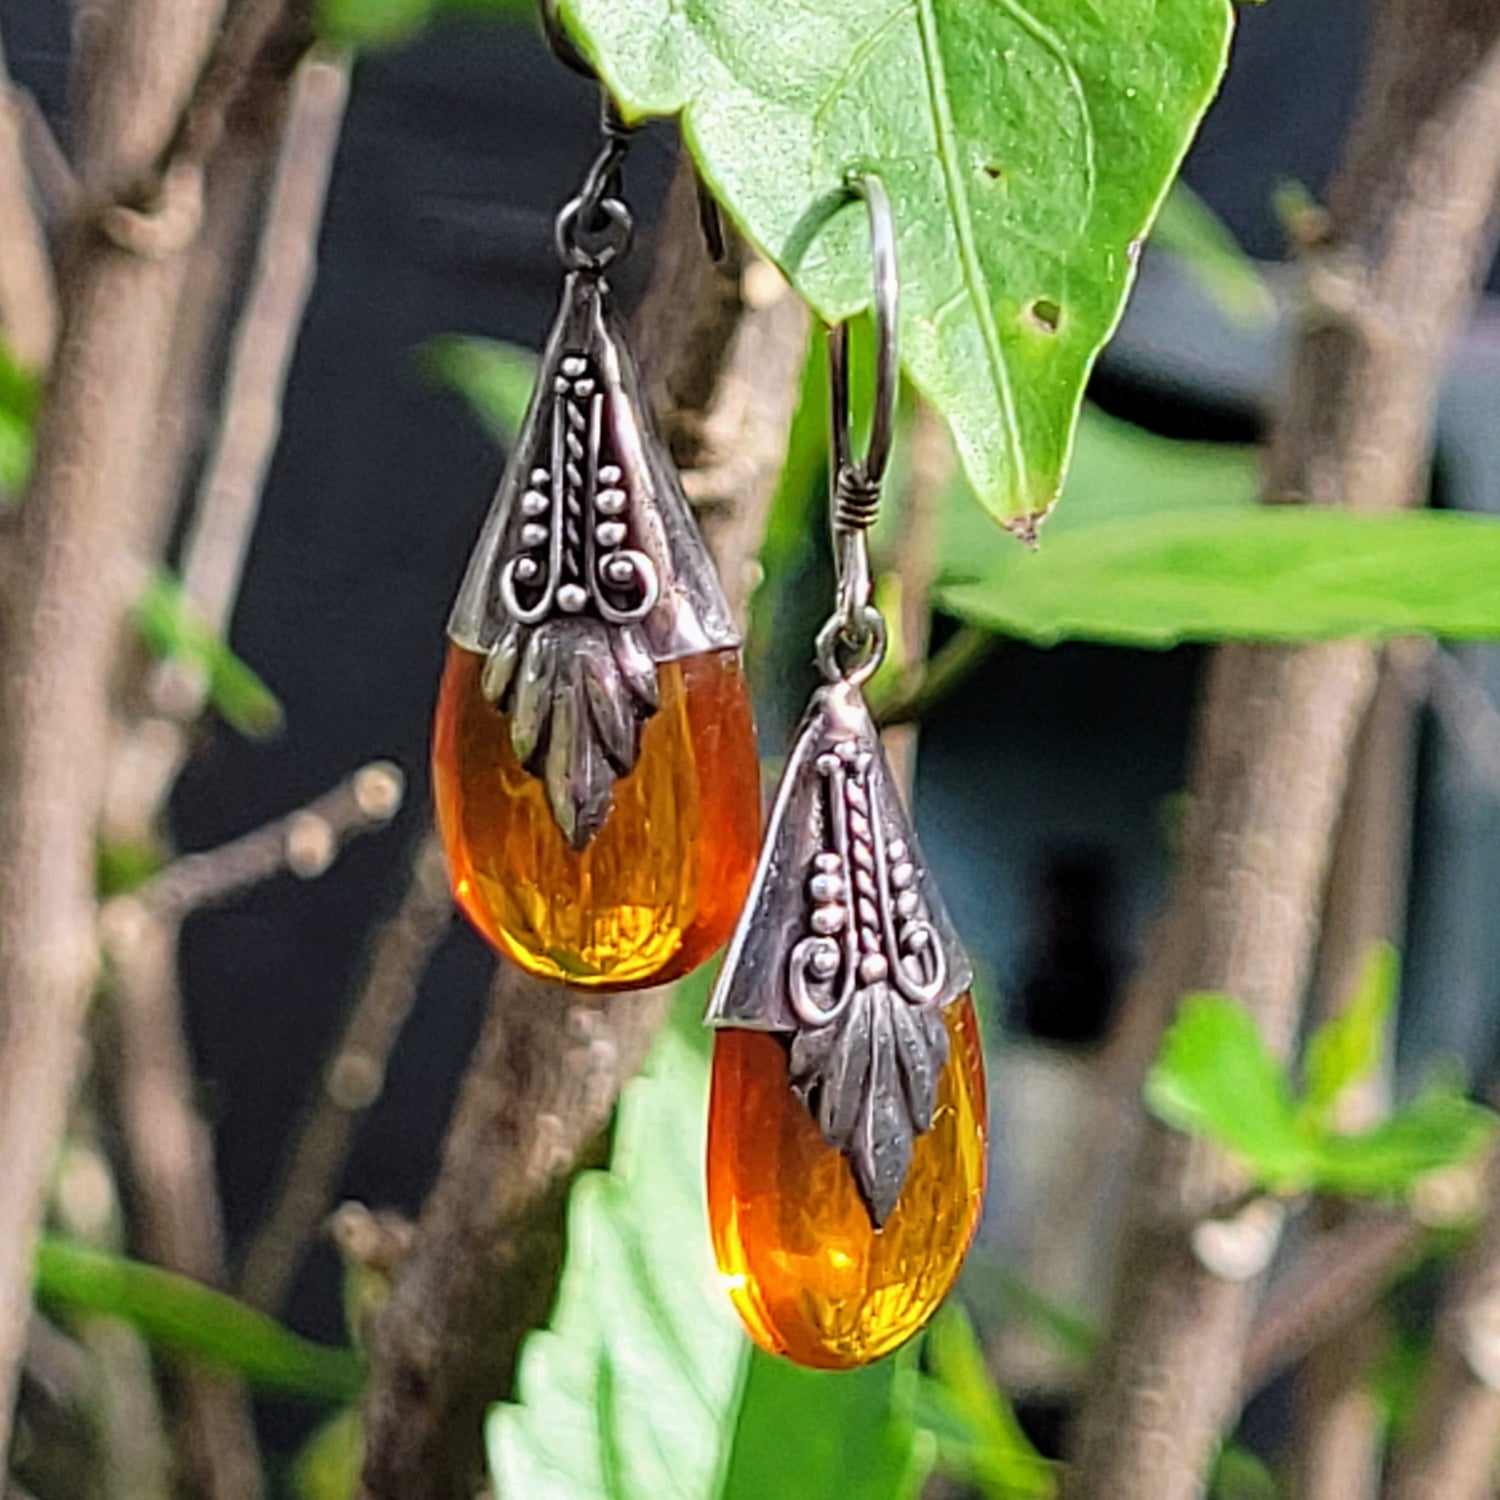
x=1259 y=573
x=644 y=1386
x=1025 y=145
x=1439 y=1128
x=188 y=1318
x=811 y=1435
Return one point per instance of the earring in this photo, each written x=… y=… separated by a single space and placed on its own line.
x=846 y=1135
x=594 y=763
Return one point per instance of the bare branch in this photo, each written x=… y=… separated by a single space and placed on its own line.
x=160 y=214
x=28 y=299
x=304 y=843
x=77 y=543
x=1336 y=1275
x=352 y=1081
x=538 y=1098
x=1453 y=1436
x=171 y=1163
x=1410 y=230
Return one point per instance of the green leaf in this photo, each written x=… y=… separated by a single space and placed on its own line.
x=173 y=631
x=496 y=379
x=644 y=1386
x=979 y=1437
x=1439 y=1128
x=328 y=1466
x=175 y=1313
x=382 y=23
x=1025 y=146
x=1216 y=1078
x=1261 y=573
x=1347 y=1048
x=1189 y=229
x=20 y=400
x=807 y=1435
x=1239 y=1475
x=628 y=1393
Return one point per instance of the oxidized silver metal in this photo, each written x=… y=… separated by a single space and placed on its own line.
x=589 y=570
x=845 y=947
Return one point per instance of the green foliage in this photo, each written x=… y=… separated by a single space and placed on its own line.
x=175 y=1313
x=1025 y=148
x=328 y=1466
x=644 y=1386
x=122 y=865
x=493 y=377
x=1239 y=1475
x=1189 y=229
x=173 y=631
x=1348 y=1047
x=1216 y=1078
x=380 y=23
x=1161 y=542
x=979 y=1439
x=20 y=398
x=807 y=1435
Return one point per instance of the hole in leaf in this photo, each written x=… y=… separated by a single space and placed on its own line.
x=993 y=170
x=1045 y=313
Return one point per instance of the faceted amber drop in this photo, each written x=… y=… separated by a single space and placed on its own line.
x=658 y=889
x=812 y=1278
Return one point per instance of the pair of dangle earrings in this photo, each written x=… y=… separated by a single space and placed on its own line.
x=597 y=793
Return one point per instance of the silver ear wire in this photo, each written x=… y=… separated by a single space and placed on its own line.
x=856 y=626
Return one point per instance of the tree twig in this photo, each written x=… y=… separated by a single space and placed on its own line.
x=28 y=299
x=1334 y=1276
x=535 y=1106
x=1410 y=229
x=303 y=843
x=352 y=1081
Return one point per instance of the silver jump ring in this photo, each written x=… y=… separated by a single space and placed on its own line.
x=865 y=643
x=573 y=254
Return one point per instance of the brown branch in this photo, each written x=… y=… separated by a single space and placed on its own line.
x=1410 y=218
x=1334 y=1277
x=1339 y=1430
x=76 y=547
x=352 y=1081
x=28 y=299
x=537 y=1101
x=304 y=843
x=1451 y=1442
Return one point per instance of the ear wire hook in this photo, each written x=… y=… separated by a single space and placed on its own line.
x=856 y=624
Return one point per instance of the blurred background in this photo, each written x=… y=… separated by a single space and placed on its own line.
x=1046 y=785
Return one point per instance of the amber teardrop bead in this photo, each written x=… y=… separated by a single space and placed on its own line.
x=812 y=1277
x=658 y=889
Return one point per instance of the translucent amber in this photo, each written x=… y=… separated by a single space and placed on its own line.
x=659 y=887
x=812 y=1278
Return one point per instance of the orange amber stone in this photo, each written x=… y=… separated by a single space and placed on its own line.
x=812 y=1277
x=658 y=889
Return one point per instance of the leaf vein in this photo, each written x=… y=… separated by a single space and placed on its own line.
x=963 y=224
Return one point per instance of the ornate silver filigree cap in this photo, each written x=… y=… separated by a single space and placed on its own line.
x=589 y=570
